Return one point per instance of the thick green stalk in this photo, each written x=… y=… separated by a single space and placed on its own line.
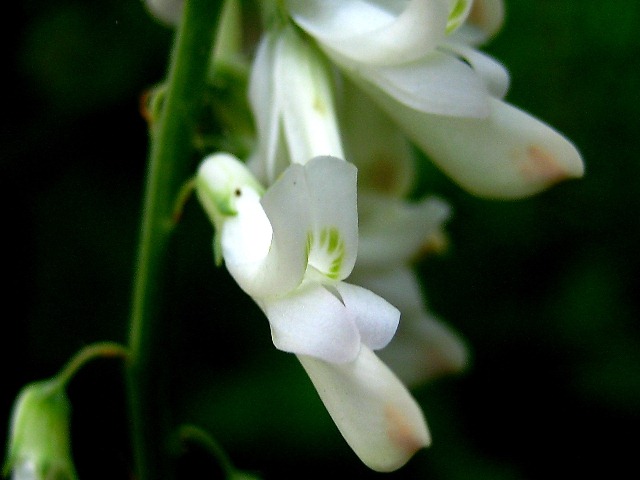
x=169 y=167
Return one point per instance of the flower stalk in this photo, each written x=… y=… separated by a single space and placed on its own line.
x=172 y=135
x=193 y=434
x=85 y=355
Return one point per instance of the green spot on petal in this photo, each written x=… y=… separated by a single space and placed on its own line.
x=334 y=239
x=458 y=14
x=327 y=255
x=309 y=243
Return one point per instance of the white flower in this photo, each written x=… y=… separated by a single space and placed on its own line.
x=411 y=59
x=375 y=413
x=424 y=347
x=291 y=248
x=291 y=95
x=392 y=234
x=394 y=45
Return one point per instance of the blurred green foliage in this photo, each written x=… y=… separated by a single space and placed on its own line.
x=544 y=289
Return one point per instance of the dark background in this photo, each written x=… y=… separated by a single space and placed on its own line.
x=545 y=290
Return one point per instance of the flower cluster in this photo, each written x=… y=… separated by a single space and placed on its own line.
x=344 y=86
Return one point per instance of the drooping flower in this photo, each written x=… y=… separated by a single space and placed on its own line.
x=39 y=445
x=442 y=92
x=393 y=233
x=290 y=248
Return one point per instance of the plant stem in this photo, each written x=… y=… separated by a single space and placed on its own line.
x=86 y=354
x=201 y=437
x=169 y=167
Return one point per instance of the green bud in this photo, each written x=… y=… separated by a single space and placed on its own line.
x=39 y=445
x=240 y=475
x=166 y=11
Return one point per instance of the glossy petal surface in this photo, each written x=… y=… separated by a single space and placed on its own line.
x=373 y=410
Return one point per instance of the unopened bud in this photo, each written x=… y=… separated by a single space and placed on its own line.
x=39 y=445
x=167 y=11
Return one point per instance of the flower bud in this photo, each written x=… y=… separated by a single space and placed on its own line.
x=39 y=446
x=167 y=11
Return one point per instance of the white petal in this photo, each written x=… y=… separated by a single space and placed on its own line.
x=305 y=100
x=374 y=32
x=25 y=470
x=493 y=74
x=375 y=413
x=246 y=240
x=265 y=243
x=394 y=231
x=439 y=83
x=484 y=21
x=258 y=167
x=383 y=154
x=423 y=347
x=286 y=204
x=219 y=177
x=399 y=285
x=265 y=105
x=332 y=196
x=377 y=319
x=219 y=183
x=509 y=154
x=312 y=212
x=312 y=321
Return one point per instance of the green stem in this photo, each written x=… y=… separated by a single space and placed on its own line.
x=201 y=437
x=86 y=354
x=169 y=167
